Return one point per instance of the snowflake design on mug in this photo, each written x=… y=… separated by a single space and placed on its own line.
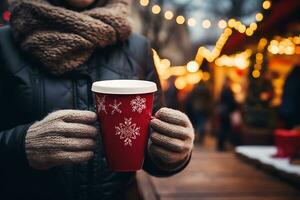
x=138 y=104
x=127 y=131
x=115 y=107
x=101 y=104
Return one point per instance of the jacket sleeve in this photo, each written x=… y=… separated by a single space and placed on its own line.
x=151 y=75
x=12 y=136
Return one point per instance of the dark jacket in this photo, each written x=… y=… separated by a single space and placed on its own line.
x=28 y=93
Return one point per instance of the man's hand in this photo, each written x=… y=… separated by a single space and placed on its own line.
x=171 y=142
x=63 y=137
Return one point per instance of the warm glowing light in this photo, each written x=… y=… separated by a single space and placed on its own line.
x=257 y=66
x=274 y=42
x=210 y=58
x=236 y=88
x=266 y=4
x=156 y=9
x=222 y=24
x=237 y=25
x=206 y=76
x=180 y=83
x=282 y=46
x=255 y=73
x=206 y=24
x=194 y=78
x=166 y=63
x=165 y=75
x=289 y=50
x=228 y=31
x=259 y=17
x=249 y=32
x=242 y=28
x=178 y=71
x=261 y=44
x=253 y=26
x=240 y=60
x=259 y=56
x=192 y=22
x=180 y=19
x=296 y=40
x=201 y=50
x=273 y=49
x=169 y=15
x=192 y=66
x=231 y=23
x=144 y=2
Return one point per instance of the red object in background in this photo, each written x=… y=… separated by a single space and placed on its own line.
x=124 y=121
x=6 y=16
x=240 y=72
x=287 y=143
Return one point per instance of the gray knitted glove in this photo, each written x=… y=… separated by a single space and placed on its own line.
x=63 y=137
x=171 y=142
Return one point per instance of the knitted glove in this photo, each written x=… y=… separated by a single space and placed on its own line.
x=63 y=137
x=171 y=142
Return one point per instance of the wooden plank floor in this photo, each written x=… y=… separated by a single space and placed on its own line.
x=216 y=176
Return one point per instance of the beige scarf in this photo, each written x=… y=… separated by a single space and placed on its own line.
x=63 y=39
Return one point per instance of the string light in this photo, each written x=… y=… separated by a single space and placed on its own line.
x=237 y=25
x=285 y=46
x=242 y=28
x=253 y=26
x=178 y=71
x=249 y=32
x=296 y=39
x=169 y=15
x=166 y=63
x=203 y=53
x=144 y=3
x=262 y=44
x=180 y=83
x=222 y=24
x=266 y=4
x=211 y=56
x=255 y=73
x=194 y=78
x=180 y=19
x=156 y=9
x=192 y=22
x=192 y=66
x=259 y=17
x=231 y=23
x=206 y=24
x=239 y=60
x=259 y=57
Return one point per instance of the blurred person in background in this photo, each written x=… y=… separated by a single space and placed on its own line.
x=171 y=95
x=198 y=107
x=290 y=106
x=226 y=107
x=50 y=144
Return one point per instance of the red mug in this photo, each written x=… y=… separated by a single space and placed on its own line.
x=287 y=143
x=124 y=109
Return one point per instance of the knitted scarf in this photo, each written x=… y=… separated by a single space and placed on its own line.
x=63 y=39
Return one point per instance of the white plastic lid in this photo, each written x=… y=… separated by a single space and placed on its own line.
x=124 y=87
